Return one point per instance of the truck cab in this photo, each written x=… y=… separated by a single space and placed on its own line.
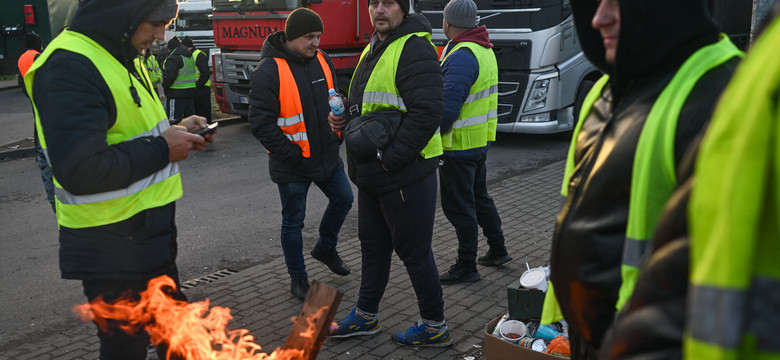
x=194 y=20
x=543 y=75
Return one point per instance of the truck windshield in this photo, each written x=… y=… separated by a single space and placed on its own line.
x=193 y=21
x=256 y=5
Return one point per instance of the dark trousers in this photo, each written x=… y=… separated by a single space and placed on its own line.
x=400 y=221
x=180 y=108
x=468 y=206
x=293 y=196
x=115 y=344
x=203 y=102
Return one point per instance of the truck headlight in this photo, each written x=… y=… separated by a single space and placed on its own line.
x=538 y=96
x=219 y=75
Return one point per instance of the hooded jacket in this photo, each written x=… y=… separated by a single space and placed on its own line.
x=655 y=38
x=419 y=82
x=285 y=159
x=170 y=71
x=76 y=109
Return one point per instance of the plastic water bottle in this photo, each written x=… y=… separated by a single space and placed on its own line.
x=335 y=102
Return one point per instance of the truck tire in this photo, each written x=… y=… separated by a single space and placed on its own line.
x=582 y=92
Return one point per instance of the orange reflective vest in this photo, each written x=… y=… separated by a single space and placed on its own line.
x=26 y=61
x=290 y=110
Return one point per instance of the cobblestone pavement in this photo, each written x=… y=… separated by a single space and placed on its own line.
x=260 y=299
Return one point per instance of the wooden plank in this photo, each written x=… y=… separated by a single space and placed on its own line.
x=312 y=323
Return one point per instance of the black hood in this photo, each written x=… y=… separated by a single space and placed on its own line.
x=112 y=23
x=656 y=36
x=274 y=47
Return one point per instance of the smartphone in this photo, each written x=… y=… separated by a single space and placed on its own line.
x=208 y=129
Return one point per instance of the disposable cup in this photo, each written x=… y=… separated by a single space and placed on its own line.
x=534 y=279
x=512 y=331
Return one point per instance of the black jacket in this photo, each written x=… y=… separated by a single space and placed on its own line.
x=170 y=71
x=656 y=37
x=419 y=82
x=202 y=62
x=285 y=159
x=76 y=109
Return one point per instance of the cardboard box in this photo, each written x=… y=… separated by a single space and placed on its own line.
x=524 y=304
x=498 y=349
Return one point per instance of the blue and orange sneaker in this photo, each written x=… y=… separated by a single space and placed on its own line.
x=355 y=324
x=421 y=334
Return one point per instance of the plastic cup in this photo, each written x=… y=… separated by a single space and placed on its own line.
x=512 y=331
x=534 y=279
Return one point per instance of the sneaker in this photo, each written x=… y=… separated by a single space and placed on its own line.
x=494 y=257
x=355 y=324
x=421 y=334
x=332 y=260
x=457 y=274
x=299 y=287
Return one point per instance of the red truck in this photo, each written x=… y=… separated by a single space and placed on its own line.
x=241 y=27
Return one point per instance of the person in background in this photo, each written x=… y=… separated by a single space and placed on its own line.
x=288 y=112
x=179 y=78
x=203 y=86
x=470 y=75
x=113 y=155
x=397 y=72
x=153 y=69
x=33 y=50
x=635 y=126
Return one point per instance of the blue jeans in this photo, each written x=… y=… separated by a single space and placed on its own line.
x=293 y=195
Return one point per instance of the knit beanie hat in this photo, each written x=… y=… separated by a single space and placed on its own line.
x=187 y=41
x=461 y=13
x=301 y=22
x=166 y=10
x=404 y=4
x=173 y=43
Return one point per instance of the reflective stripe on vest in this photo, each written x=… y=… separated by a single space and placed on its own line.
x=26 y=61
x=132 y=121
x=733 y=217
x=653 y=177
x=153 y=68
x=195 y=55
x=188 y=74
x=381 y=93
x=291 y=119
x=478 y=119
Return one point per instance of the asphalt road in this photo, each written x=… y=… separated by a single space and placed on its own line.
x=228 y=218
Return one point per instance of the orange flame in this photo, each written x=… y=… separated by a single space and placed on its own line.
x=190 y=330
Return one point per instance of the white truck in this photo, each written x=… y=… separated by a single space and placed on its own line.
x=543 y=75
x=194 y=20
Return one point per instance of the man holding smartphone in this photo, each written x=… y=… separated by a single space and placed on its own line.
x=113 y=155
x=288 y=113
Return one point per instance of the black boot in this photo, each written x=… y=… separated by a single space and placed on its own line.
x=494 y=257
x=299 y=287
x=459 y=273
x=332 y=260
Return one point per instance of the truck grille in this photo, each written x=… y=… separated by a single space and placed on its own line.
x=238 y=66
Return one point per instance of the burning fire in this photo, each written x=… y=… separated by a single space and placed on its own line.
x=191 y=330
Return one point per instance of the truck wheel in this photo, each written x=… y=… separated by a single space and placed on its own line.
x=582 y=92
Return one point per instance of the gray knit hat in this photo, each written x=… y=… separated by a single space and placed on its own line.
x=461 y=13
x=166 y=10
x=301 y=22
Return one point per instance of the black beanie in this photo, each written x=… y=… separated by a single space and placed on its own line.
x=404 y=4
x=187 y=41
x=173 y=43
x=301 y=22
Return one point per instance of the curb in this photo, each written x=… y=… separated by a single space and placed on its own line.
x=30 y=151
